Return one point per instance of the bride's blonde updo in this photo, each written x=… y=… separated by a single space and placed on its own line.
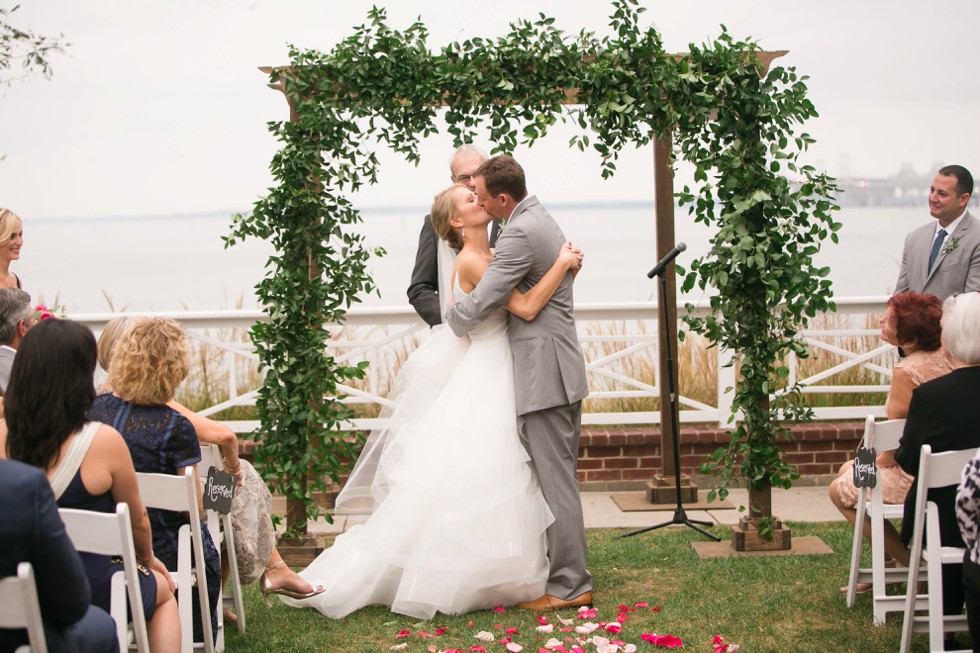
x=443 y=210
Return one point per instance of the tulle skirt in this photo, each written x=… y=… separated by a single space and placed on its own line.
x=457 y=519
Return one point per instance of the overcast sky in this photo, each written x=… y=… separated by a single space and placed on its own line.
x=158 y=106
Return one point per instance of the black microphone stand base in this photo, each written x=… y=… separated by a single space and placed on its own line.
x=680 y=518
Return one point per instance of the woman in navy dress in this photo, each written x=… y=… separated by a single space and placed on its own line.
x=87 y=463
x=148 y=363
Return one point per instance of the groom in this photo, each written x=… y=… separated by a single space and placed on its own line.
x=549 y=367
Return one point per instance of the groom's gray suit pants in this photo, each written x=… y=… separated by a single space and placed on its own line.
x=552 y=438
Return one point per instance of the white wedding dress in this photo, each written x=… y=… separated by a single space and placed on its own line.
x=457 y=519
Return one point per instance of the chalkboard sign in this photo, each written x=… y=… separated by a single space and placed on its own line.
x=865 y=468
x=219 y=490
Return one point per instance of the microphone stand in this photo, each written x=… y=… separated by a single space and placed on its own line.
x=680 y=516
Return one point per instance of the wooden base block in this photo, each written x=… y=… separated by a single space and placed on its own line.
x=745 y=536
x=299 y=552
x=662 y=489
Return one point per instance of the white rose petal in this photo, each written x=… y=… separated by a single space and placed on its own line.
x=546 y=628
x=484 y=636
x=514 y=647
x=586 y=628
x=629 y=648
x=400 y=647
x=552 y=644
x=566 y=622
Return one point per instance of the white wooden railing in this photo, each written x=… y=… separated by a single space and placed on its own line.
x=620 y=342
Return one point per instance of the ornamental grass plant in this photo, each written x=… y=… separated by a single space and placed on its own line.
x=765 y=604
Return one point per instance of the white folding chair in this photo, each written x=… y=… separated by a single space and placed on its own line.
x=883 y=436
x=20 y=608
x=180 y=494
x=111 y=534
x=223 y=534
x=935 y=471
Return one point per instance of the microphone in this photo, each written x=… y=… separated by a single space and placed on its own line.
x=662 y=265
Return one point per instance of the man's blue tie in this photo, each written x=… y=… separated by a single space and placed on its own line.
x=937 y=245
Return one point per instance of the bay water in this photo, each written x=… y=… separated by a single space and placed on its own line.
x=167 y=263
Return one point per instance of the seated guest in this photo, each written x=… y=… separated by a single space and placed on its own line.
x=912 y=322
x=148 y=363
x=16 y=317
x=251 y=510
x=967 y=351
x=945 y=413
x=87 y=463
x=31 y=531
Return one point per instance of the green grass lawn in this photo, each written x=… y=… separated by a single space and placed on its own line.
x=778 y=604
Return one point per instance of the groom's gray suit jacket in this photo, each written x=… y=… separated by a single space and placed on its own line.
x=957 y=269
x=549 y=367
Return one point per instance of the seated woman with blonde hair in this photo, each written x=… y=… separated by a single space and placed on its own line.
x=251 y=513
x=87 y=463
x=912 y=321
x=149 y=361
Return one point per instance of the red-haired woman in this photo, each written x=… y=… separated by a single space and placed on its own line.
x=912 y=322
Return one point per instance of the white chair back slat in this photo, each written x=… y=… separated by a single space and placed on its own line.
x=20 y=607
x=223 y=535
x=935 y=471
x=180 y=494
x=111 y=534
x=882 y=436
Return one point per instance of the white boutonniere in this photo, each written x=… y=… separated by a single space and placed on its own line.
x=951 y=244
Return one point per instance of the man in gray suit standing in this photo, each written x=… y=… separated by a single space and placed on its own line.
x=549 y=367
x=943 y=258
x=16 y=317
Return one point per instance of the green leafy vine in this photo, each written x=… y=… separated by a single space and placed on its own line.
x=734 y=122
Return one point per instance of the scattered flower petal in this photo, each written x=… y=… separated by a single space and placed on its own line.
x=641 y=604
x=400 y=647
x=500 y=609
x=478 y=649
x=655 y=608
x=629 y=648
x=403 y=634
x=586 y=628
x=587 y=613
x=514 y=647
x=614 y=627
x=566 y=622
x=554 y=644
x=663 y=641
x=424 y=634
x=484 y=636
x=542 y=620
x=442 y=630
x=511 y=631
x=545 y=628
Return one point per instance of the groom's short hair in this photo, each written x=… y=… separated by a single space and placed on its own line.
x=503 y=174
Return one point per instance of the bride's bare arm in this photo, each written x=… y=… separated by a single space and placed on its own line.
x=527 y=305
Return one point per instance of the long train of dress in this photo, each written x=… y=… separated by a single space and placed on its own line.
x=457 y=519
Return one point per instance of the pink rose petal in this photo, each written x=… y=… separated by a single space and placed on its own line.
x=403 y=634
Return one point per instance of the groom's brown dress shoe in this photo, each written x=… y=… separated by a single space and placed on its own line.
x=549 y=602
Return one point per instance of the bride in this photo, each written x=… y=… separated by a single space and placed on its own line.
x=457 y=520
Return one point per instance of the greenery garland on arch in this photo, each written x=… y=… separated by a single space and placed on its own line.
x=733 y=122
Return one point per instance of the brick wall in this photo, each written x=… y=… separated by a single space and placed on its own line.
x=626 y=458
